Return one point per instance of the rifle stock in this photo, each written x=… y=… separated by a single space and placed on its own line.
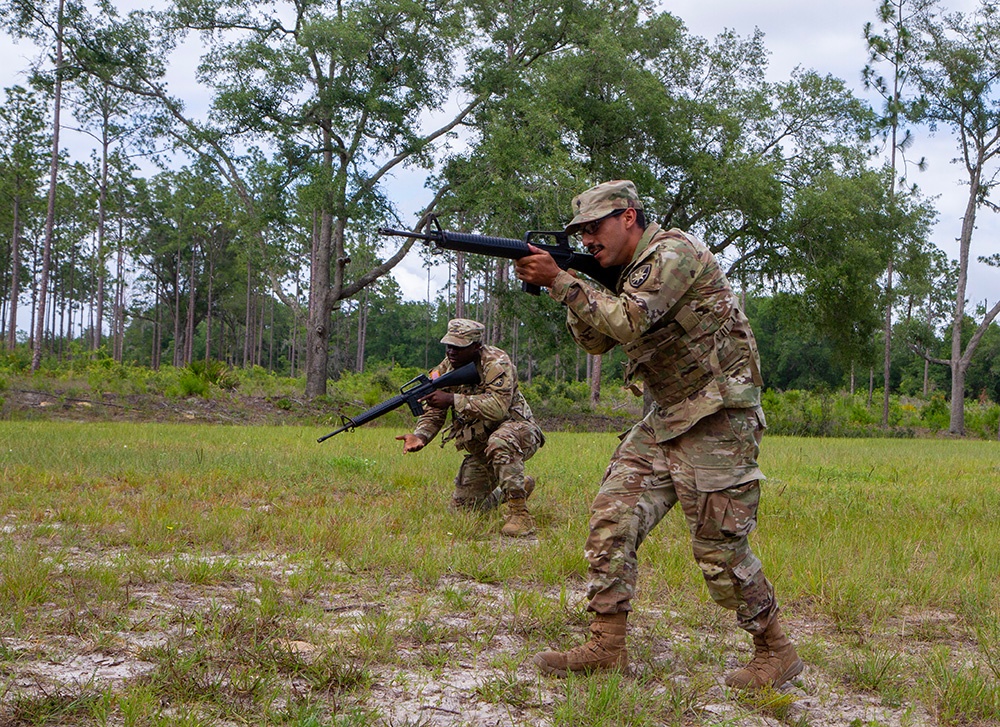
x=410 y=393
x=505 y=247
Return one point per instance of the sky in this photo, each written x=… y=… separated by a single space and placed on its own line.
x=825 y=37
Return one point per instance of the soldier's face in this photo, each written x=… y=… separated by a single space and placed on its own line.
x=608 y=239
x=459 y=356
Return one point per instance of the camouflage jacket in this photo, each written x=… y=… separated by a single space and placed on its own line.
x=479 y=409
x=679 y=322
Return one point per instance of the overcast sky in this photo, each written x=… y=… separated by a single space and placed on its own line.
x=823 y=36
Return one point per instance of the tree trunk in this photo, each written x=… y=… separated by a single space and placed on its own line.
x=15 y=265
x=189 y=327
x=502 y=276
x=887 y=360
x=270 y=336
x=158 y=330
x=98 y=328
x=178 y=353
x=208 y=311
x=119 y=313
x=957 y=411
x=50 y=216
x=459 y=285
x=318 y=329
x=247 y=321
x=359 y=363
x=956 y=423
x=595 y=380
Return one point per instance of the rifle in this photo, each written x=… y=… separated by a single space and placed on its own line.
x=410 y=393
x=504 y=247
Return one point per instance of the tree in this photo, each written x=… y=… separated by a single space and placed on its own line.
x=895 y=47
x=714 y=148
x=958 y=75
x=844 y=231
x=22 y=128
x=342 y=91
x=25 y=18
x=114 y=119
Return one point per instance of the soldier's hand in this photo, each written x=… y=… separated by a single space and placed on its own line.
x=439 y=399
x=411 y=443
x=539 y=268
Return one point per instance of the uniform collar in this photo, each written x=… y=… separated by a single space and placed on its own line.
x=647 y=237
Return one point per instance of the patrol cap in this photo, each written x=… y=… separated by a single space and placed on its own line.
x=463 y=332
x=600 y=201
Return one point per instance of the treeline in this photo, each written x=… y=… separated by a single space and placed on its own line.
x=247 y=233
x=382 y=330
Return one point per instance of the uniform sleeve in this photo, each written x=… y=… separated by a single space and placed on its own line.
x=598 y=320
x=493 y=398
x=432 y=420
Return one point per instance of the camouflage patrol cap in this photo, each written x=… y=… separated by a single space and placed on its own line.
x=600 y=201
x=463 y=332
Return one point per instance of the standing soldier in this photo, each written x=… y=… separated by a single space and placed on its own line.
x=491 y=421
x=679 y=322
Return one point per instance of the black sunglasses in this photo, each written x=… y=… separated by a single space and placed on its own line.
x=591 y=228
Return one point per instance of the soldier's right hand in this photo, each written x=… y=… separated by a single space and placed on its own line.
x=411 y=443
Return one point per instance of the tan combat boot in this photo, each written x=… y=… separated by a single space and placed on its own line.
x=774 y=661
x=519 y=521
x=605 y=650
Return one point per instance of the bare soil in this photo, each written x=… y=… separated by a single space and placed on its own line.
x=456 y=689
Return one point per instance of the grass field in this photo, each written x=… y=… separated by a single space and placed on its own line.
x=155 y=574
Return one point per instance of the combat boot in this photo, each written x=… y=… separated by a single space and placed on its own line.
x=774 y=661
x=605 y=650
x=519 y=521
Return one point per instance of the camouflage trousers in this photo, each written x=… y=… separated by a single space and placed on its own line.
x=711 y=470
x=496 y=462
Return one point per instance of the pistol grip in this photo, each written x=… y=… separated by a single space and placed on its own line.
x=530 y=288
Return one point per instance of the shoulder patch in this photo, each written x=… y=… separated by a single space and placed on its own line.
x=500 y=379
x=639 y=276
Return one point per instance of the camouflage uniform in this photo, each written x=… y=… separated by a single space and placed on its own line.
x=492 y=422
x=679 y=322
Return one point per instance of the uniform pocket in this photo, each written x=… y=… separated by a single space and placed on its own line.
x=728 y=513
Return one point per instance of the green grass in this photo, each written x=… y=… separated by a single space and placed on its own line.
x=204 y=552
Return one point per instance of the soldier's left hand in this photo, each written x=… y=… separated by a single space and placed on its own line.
x=539 y=268
x=439 y=399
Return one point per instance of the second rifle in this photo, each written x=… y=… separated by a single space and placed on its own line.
x=410 y=394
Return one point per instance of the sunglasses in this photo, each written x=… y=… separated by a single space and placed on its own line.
x=592 y=227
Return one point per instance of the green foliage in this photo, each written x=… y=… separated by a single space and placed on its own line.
x=936 y=413
x=219 y=374
x=834 y=414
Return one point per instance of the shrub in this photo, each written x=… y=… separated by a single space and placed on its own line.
x=935 y=414
x=191 y=384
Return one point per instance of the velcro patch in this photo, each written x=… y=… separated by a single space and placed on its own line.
x=639 y=276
